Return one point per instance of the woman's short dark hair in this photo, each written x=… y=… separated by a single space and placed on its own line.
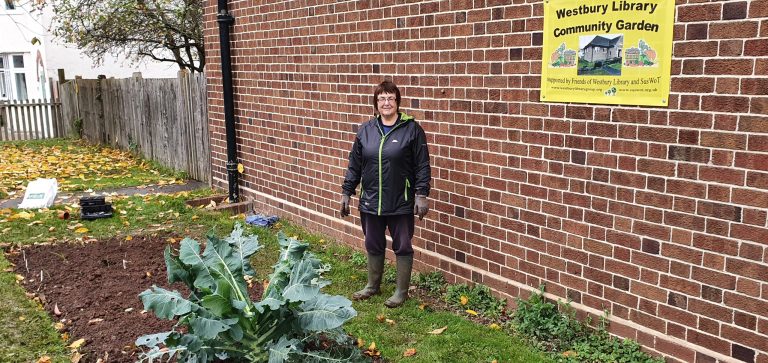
x=386 y=87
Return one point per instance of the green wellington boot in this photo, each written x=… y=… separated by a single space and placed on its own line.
x=375 y=270
x=404 y=266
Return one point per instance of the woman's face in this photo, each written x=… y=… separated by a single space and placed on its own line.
x=387 y=104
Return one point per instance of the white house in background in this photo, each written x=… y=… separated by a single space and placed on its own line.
x=26 y=68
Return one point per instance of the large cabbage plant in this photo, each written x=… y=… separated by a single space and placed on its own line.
x=293 y=322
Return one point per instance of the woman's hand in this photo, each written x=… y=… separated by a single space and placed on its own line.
x=420 y=206
x=344 y=205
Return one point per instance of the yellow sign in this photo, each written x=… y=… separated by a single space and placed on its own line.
x=607 y=51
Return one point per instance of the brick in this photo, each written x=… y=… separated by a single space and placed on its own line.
x=750 y=233
x=750 y=197
x=735 y=10
x=691 y=154
x=716 y=244
x=730 y=30
x=731 y=48
x=693 y=66
x=697 y=31
x=724 y=140
x=722 y=175
x=758 y=124
x=693 y=85
x=754 y=86
x=755 y=47
x=733 y=66
x=699 y=12
x=758 y=9
x=719 y=210
x=714 y=278
x=696 y=49
x=725 y=103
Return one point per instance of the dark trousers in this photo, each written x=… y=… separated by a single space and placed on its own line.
x=400 y=228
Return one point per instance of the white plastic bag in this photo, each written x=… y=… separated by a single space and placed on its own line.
x=40 y=194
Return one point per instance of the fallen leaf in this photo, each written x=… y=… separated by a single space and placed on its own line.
x=77 y=344
x=128 y=238
x=570 y=353
x=360 y=342
x=439 y=331
x=76 y=356
x=56 y=310
x=472 y=312
x=390 y=322
x=44 y=359
x=410 y=352
x=58 y=326
x=381 y=318
x=94 y=321
x=22 y=318
x=34 y=223
x=494 y=326
x=81 y=230
x=372 y=347
x=464 y=300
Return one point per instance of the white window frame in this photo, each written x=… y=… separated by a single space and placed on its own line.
x=9 y=73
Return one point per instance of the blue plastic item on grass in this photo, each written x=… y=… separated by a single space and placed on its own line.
x=261 y=220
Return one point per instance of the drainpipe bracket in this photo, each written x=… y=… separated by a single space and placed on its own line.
x=225 y=18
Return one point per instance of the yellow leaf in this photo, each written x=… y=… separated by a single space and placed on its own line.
x=22 y=318
x=360 y=342
x=171 y=240
x=6 y=229
x=390 y=322
x=240 y=168
x=439 y=331
x=464 y=300
x=128 y=238
x=570 y=353
x=381 y=318
x=494 y=326
x=81 y=230
x=77 y=344
x=44 y=359
x=472 y=312
x=76 y=356
x=423 y=306
x=58 y=326
x=410 y=352
x=34 y=223
x=372 y=347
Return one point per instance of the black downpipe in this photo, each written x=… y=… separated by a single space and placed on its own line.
x=225 y=21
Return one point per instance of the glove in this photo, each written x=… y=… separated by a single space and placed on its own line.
x=420 y=206
x=344 y=205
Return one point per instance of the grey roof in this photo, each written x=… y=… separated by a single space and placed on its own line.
x=603 y=42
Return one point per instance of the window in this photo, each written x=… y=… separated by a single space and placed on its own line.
x=13 y=77
x=21 y=86
x=18 y=61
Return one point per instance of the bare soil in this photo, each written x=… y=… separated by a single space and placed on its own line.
x=94 y=288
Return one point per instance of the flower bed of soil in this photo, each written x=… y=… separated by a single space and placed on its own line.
x=93 y=290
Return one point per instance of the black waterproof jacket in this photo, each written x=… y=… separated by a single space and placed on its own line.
x=391 y=168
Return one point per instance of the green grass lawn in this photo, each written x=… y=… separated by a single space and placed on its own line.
x=76 y=165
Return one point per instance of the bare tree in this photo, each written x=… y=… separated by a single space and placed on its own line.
x=163 y=30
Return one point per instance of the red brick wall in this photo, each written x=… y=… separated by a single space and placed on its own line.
x=657 y=214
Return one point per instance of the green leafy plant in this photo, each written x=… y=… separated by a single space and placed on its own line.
x=294 y=320
x=478 y=298
x=77 y=128
x=433 y=282
x=556 y=329
x=358 y=259
x=390 y=276
x=543 y=321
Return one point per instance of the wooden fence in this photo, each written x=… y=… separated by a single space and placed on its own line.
x=165 y=120
x=30 y=120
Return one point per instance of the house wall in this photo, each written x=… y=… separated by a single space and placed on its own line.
x=656 y=214
x=18 y=28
